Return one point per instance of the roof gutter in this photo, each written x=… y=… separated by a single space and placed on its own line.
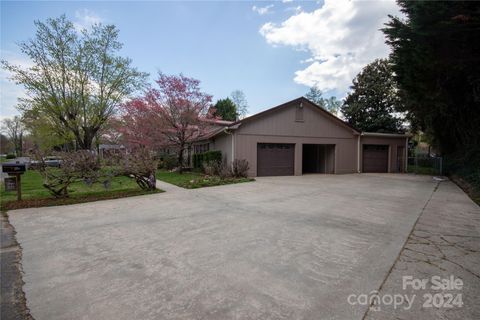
x=386 y=135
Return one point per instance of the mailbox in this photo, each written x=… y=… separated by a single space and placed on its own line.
x=13 y=168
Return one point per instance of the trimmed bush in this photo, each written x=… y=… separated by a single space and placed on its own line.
x=168 y=162
x=217 y=168
x=210 y=156
x=240 y=168
x=10 y=156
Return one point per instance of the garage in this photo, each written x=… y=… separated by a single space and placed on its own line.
x=375 y=158
x=318 y=158
x=275 y=159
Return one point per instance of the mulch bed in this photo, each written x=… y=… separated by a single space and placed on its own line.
x=48 y=202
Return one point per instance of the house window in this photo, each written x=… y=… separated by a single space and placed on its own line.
x=201 y=148
x=299 y=113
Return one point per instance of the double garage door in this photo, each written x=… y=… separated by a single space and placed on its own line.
x=275 y=159
x=375 y=158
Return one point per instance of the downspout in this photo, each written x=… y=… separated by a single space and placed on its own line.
x=406 y=155
x=233 y=146
x=229 y=132
x=358 y=154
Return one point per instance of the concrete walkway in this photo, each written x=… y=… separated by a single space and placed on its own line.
x=445 y=243
x=168 y=187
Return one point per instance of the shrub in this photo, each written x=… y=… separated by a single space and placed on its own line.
x=213 y=156
x=87 y=165
x=10 y=156
x=168 y=162
x=141 y=165
x=197 y=160
x=210 y=168
x=224 y=170
x=240 y=168
x=76 y=166
x=217 y=168
x=206 y=157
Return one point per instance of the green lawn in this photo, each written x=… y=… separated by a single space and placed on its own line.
x=34 y=194
x=193 y=180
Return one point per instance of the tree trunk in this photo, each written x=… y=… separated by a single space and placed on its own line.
x=20 y=146
x=180 y=159
x=85 y=139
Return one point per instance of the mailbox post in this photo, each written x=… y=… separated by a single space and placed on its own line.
x=16 y=170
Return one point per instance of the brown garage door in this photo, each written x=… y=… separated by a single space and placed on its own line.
x=275 y=159
x=375 y=158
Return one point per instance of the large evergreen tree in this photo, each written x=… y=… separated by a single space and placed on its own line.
x=226 y=109
x=373 y=102
x=436 y=60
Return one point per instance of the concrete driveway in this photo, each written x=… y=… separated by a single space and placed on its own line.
x=277 y=248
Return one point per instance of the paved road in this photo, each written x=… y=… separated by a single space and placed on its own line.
x=277 y=248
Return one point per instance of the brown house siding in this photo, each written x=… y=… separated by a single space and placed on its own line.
x=224 y=144
x=282 y=127
x=345 y=150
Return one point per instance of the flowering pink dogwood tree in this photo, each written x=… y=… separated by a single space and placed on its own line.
x=171 y=115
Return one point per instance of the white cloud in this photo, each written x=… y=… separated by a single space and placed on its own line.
x=85 y=19
x=263 y=10
x=296 y=9
x=342 y=37
x=286 y=1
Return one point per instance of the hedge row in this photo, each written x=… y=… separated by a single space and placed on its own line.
x=200 y=158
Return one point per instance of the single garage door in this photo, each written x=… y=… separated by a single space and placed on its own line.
x=375 y=158
x=275 y=159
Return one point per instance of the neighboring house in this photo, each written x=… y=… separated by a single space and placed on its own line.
x=300 y=137
x=105 y=150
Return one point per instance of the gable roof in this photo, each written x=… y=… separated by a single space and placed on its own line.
x=236 y=124
x=328 y=115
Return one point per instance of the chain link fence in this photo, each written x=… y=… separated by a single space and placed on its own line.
x=425 y=164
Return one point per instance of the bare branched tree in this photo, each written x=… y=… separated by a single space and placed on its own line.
x=240 y=101
x=14 y=129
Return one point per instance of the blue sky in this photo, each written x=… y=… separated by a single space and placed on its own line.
x=273 y=51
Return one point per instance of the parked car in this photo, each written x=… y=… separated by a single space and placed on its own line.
x=50 y=161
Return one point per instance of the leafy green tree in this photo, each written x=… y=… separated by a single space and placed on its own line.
x=436 y=61
x=373 y=102
x=77 y=79
x=226 y=109
x=331 y=104
x=44 y=133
